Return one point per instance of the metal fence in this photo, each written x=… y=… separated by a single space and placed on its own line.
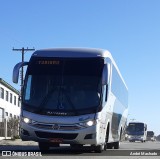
x=9 y=128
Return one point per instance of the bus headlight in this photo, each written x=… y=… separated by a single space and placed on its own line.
x=27 y=120
x=88 y=123
x=129 y=136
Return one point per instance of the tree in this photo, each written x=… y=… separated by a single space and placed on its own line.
x=13 y=127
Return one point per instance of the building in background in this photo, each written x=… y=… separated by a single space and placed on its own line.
x=9 y=107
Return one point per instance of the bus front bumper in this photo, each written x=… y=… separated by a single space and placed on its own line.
x=83 y=136
x=135 y=138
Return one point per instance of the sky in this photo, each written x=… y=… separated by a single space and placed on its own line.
x=130 y=30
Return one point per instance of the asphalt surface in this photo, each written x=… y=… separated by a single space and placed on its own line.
x=137 y=150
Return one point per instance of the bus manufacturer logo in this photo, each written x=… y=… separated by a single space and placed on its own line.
x=55 y=127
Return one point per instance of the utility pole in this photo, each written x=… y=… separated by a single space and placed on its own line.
x=22 y=50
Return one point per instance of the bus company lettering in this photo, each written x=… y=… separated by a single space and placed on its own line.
x=48 y=62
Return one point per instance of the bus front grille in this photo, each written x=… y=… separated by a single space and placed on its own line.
x=62 y=127
x=67 y=136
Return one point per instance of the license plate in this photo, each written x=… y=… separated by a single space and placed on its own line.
x=56 y=140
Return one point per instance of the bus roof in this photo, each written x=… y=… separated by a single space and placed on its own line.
x=134 y=122
x=72 y=52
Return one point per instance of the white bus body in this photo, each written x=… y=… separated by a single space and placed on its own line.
x=150 y=136
x=137 y=131
x=73 y=96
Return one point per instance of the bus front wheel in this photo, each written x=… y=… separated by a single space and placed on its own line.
x=43 y=146
x=116 y=145
x=98 y=148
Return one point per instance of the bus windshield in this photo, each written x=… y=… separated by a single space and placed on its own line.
x=150 y=133
x=135 y=129
x=63 y=86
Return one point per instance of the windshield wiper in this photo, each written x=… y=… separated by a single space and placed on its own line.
x=70 y=102
x=62 y=92
x=42 y=104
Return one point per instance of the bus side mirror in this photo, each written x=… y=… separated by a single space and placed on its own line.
x=16 y=69
x=106 y=74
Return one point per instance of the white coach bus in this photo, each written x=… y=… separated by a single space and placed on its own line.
x=73 y=96
x=137 y=131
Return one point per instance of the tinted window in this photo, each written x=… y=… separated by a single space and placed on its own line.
x=64 y=85
x=118 y=88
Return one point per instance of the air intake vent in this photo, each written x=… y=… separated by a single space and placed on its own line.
x=69 y=136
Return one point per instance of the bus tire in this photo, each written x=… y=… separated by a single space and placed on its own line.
x=116 y=145
x=99 y=148
x=106 y=145
x=109 y=145
x=43 y=146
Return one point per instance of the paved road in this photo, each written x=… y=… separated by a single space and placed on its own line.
x=128 y=150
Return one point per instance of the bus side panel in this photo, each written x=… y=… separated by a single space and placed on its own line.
x=119 y=103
